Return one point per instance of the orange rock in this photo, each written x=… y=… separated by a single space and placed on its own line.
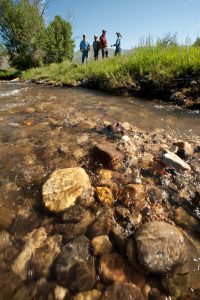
x=27 y=123
x=105 y=195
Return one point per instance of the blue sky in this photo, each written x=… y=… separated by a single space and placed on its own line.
x=135 y=19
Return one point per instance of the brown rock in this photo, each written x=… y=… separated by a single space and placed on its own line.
x=161 y=246
x=183 y=219
x=184 y=149
x=108 y=156
x=105 y=195
x=114 y=268
x=155 y=194
x=125 y=291
x=101 y=245
x=101 y=225
x=134 y=196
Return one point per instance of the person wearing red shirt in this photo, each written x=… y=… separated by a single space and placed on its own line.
x=103 y=44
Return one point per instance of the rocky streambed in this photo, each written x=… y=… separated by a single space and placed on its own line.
x=92 y=209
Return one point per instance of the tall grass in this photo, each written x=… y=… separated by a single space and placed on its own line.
x=158 y=63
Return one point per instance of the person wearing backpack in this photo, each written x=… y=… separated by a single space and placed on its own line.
x=103 y=44
x=84 y=48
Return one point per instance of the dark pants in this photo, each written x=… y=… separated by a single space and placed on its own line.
x=104 y=52
x=96 y=54
x=84 y=56
x=117 y=52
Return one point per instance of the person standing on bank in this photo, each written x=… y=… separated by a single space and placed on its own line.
x=118 y=44
x=96 y=47
x=103 y=44
x=85 y=48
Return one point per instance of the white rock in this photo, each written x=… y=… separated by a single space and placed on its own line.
x=173 y=160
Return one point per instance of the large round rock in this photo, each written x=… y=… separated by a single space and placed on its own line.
x=64 y=186
x=161 y=246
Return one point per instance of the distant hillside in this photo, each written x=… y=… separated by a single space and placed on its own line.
x=111 y=52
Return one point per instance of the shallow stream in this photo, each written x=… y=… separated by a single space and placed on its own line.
x=34 y=121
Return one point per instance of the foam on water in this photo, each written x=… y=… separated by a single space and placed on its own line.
x=10 y=93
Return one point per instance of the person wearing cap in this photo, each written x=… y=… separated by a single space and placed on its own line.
x=103 y=44
x=85 y=48
x=96 y=47
x=118 y=44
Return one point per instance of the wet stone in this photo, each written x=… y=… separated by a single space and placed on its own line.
x=105 y=196
x=114 y=268
x=4 y=240
x=71 y=230
x=108 y=156
x=89 y=295
x=184 y=149
x=101 y=245
x=25 y=222
x=161 y=246
x=37 y=256
x=63 y=188
x=102 y=224
x=75 y=261
x=60 y=292
x=119 y=235
x=125 y=291
x=134 y=218
x=134 y=196
x=183 y=219
x=173 y=160
x=74 y=214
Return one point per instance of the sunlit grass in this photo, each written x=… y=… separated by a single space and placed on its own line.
x=159 y=64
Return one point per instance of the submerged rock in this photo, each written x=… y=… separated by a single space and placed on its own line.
x=63 y=188
x=114 y=268
x=161 y=246
x=108 y=156
x=75 y=267
x=101 y=245
x=37 y=256
x=125 y=291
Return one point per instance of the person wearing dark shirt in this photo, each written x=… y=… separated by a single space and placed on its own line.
x=117 y=44
x=96 y=47
x=85 y=48
x=103 y=44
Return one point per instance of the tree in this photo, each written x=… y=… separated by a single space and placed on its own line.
x=197 y=42
x=60 y=44
x=22 y=32
x=42 y=5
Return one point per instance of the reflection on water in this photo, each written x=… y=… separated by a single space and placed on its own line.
x=36 y=120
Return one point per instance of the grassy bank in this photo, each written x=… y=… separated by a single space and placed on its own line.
x=143 y=71
x=9 y=74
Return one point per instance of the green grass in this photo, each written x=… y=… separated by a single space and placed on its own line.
x=159 y=63
x=9 y=74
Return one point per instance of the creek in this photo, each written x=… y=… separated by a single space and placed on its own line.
x=44 y=128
